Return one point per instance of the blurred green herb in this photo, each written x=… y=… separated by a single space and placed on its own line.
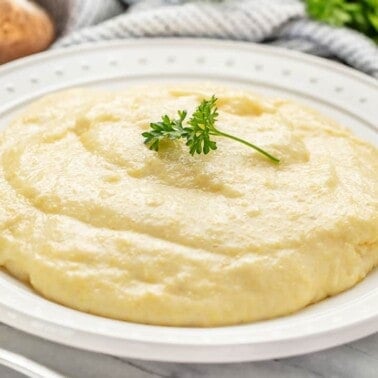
x=361 y=15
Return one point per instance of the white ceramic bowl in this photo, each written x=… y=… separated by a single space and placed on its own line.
x=342 y=93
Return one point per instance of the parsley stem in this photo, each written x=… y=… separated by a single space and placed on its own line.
x=267 y=154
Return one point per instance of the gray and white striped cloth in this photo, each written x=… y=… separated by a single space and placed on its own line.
x=278 y=22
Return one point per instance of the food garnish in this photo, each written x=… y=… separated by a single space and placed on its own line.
x=197 y=131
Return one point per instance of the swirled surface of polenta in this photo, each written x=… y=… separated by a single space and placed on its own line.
x=96 y=221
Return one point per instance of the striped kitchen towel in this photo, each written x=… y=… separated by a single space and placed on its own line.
x=279 y=22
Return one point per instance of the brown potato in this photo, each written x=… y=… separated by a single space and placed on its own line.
x=25 y=28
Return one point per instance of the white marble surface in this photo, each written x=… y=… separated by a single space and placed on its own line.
x=355 y=360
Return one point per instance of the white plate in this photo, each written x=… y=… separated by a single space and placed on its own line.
x=342 y=93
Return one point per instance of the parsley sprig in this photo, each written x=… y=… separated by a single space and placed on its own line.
x=197 y=132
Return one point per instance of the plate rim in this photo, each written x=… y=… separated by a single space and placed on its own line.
x=216 y=43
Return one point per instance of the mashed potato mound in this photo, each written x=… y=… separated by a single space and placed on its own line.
x=96 y=221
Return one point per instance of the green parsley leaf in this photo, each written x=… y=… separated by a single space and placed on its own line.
x=166 y=129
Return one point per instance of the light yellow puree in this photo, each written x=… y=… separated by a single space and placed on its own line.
x=96 y=221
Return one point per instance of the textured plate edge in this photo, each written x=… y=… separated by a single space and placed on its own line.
x=272 y=50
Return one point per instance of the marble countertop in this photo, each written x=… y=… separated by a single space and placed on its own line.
x=355 y=360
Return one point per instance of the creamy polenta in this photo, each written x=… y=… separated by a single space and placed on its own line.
x=96 y=221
